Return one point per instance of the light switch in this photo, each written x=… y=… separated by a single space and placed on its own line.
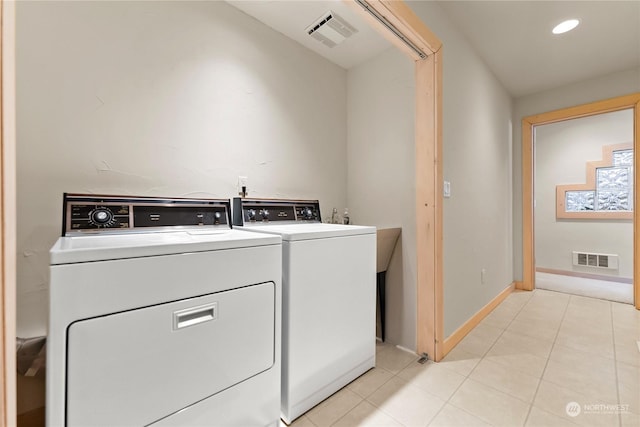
x=447 y=189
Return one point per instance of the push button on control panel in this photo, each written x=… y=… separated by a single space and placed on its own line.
x=262 y=211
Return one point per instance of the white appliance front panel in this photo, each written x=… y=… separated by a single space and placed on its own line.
x=139 y=366
x=249 y=403
x=329 y=303
x=88 y=248
x=304 y=231
x=86 y=290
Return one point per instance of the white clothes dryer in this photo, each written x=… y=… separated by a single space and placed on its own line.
x=329 y=298
x=156 y=319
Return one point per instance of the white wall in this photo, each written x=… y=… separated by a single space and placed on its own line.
x=381 y=174
x=169 y=99
x=562 y=151
x=477 y=161
x=609 y=86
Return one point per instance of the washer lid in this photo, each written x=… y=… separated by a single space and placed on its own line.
x=309 y=231
x=69 y=250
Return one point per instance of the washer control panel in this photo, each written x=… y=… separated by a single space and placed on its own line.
x=94 y=213
x=261 y=211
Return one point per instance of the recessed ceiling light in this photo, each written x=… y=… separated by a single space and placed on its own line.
x=565 y=26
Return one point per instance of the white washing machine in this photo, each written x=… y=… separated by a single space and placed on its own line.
x=161 y=314
x=329 y=298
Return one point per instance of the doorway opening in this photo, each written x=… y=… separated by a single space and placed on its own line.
x=530 y=126
x=583 y=193
x=397 y=22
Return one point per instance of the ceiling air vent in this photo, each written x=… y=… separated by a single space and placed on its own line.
x=595 y=260
x=331 y=29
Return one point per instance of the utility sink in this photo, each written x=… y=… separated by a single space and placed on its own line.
x=386 y=239
x=386 y=242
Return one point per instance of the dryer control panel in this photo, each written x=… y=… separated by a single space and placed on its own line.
x=261 y=211
x=84 y=213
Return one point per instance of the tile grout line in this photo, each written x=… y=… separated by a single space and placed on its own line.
x=366 y=399
x=615 y=363
x=555 y=338
x=497 y=338
x=402 y=379
x=385 y=348
x=448 y=401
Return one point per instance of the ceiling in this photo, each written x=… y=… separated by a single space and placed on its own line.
x=513 y=37
x=292 y=17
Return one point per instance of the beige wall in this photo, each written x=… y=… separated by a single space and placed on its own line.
x=163 y=98
x=561 y=152
x=381 y=174
x=604 y=87
x=477 y=161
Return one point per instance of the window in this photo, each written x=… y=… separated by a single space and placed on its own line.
x=608 y=193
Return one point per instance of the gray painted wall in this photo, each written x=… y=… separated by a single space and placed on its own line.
x=477 y=161
x=381 y=174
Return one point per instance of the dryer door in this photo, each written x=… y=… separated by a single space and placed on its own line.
x=136 y=367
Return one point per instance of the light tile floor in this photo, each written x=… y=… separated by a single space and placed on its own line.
x=521 y=366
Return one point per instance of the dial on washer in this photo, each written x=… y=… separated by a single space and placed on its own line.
x=102 y=217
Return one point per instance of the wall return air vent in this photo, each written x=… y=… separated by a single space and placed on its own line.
x=586 y=259
x=330 y=29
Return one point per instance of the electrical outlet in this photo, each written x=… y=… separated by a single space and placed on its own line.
x=483 y=274
x=242 y=182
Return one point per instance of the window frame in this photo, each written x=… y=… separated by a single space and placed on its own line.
x=591 y=185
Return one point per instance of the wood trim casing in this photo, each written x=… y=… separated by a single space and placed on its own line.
x=457 y=336
x=3 y=301
x=590 y=184
x=429 y=174
x=405 y=21
x=403 y=18
x=585 y=110
x=631 y=101
x=636 y=200
x=8 y=403
x=439 y=214
x=429 y=206
x=528 y=273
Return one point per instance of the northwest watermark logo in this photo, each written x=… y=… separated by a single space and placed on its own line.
x=574 y=409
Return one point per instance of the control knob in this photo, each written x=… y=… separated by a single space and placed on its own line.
x=251 y=214
x=264 y=213
x=307 y=213
x=102 y=217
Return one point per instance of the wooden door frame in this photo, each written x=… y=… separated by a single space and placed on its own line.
x=428 y=146
x=8 y=399
x=631 y=101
